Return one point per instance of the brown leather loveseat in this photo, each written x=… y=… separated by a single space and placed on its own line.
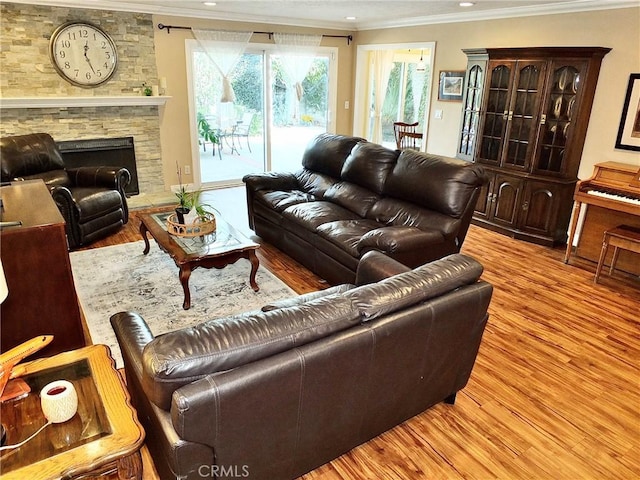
x=352 y=196
x=273 y=394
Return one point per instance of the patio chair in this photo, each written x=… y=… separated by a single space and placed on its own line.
x=242 y=128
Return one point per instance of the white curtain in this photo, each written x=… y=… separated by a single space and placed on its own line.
x=417 y=82
x=381 y=63
x=225 y=53
x=297 y=53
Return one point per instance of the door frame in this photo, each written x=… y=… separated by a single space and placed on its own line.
x=362 y=94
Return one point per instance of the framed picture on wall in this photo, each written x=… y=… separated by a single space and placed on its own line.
x=451 y=85
x=629 y=129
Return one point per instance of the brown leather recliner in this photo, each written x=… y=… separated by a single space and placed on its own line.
x=91 y=199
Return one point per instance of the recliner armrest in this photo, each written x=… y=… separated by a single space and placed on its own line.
x=271 y=181
x=108 y=177
x=398 y=239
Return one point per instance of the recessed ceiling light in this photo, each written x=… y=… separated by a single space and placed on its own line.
x=350 y=18
x=466 y=4
x=210 y=4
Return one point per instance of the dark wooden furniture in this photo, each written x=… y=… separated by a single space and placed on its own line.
x=407 y=136
x=217 y=250
x=623 y=237
x=42 y=296
x=529 y=134
x=611 y=197
x=103 y=436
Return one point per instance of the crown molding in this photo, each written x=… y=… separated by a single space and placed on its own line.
x=466 y=16
x=528 y=11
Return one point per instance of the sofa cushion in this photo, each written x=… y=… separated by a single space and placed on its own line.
x=311 y=215
x=346 y=234
x=182 y=356
x=435 y=182
x=352 y=197
x=314 y=183
x=409 y=288
x=368 y=165
x=389 y=211
x=307 y=297
x=327 y=153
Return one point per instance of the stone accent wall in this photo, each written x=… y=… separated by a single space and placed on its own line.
x=26 y=71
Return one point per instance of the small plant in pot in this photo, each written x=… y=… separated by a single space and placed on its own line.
x=184 y=197
x=190 y=207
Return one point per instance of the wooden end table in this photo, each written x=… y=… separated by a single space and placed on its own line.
x=103 y=437
x=217 y=250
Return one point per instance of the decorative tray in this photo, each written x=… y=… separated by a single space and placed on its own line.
x=201 y=226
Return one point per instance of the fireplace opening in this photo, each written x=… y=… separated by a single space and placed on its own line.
x=111 y=152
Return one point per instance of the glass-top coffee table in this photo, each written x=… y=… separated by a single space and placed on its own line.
x=215 y=250
x=104 y=436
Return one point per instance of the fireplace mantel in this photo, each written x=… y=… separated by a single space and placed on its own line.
x=71 y=102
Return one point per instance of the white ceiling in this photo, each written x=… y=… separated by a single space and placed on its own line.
x=331 y=13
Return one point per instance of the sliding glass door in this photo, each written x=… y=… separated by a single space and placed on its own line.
x=269 y=124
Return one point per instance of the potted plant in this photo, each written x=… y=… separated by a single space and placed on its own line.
x=184 y=197
x=190 y=206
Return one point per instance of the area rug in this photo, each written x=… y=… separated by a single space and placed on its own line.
x=120 y=278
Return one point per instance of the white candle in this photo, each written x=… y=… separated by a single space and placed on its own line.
x=163 y=82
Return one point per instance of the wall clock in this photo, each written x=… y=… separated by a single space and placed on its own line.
x=83 y=54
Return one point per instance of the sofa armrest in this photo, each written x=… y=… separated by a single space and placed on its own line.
x=399 y=239
x=375 y=266
x=107 y=177
x=271 y=181
x=132 y=333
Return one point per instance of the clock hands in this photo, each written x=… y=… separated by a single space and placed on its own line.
x=86 y=48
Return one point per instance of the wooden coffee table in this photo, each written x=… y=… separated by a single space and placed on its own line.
x=224 y=247
x=103 y=437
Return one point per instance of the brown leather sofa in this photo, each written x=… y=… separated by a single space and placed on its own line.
x=352 y=196
x=92 y=200
x=273 y=394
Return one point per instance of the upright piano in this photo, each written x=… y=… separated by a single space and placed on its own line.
x=612 y=197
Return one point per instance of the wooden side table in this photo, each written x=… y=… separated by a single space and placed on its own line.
x=103 y=437
x=623 y=236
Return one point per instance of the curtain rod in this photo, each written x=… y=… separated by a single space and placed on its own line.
x=162 y=26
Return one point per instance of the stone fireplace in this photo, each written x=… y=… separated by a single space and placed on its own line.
x=87 y=123
x=34 y=98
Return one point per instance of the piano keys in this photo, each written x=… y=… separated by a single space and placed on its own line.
x=611 y=197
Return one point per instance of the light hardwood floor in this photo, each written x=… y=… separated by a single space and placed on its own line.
x=555 y=392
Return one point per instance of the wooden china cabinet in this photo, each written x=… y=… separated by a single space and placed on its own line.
x=524 y=117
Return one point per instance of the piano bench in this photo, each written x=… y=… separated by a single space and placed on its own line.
x=622 y=236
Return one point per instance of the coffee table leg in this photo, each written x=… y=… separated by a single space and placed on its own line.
x=143 y=232
x=255 y=263
x=130 y=467
x=185 y=273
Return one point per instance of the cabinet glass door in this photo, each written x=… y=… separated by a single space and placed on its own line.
x=497 y=108
x=471 y=111
x=558 y=116
x=523 y=112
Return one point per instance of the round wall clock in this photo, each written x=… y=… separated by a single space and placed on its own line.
x=83 y=54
